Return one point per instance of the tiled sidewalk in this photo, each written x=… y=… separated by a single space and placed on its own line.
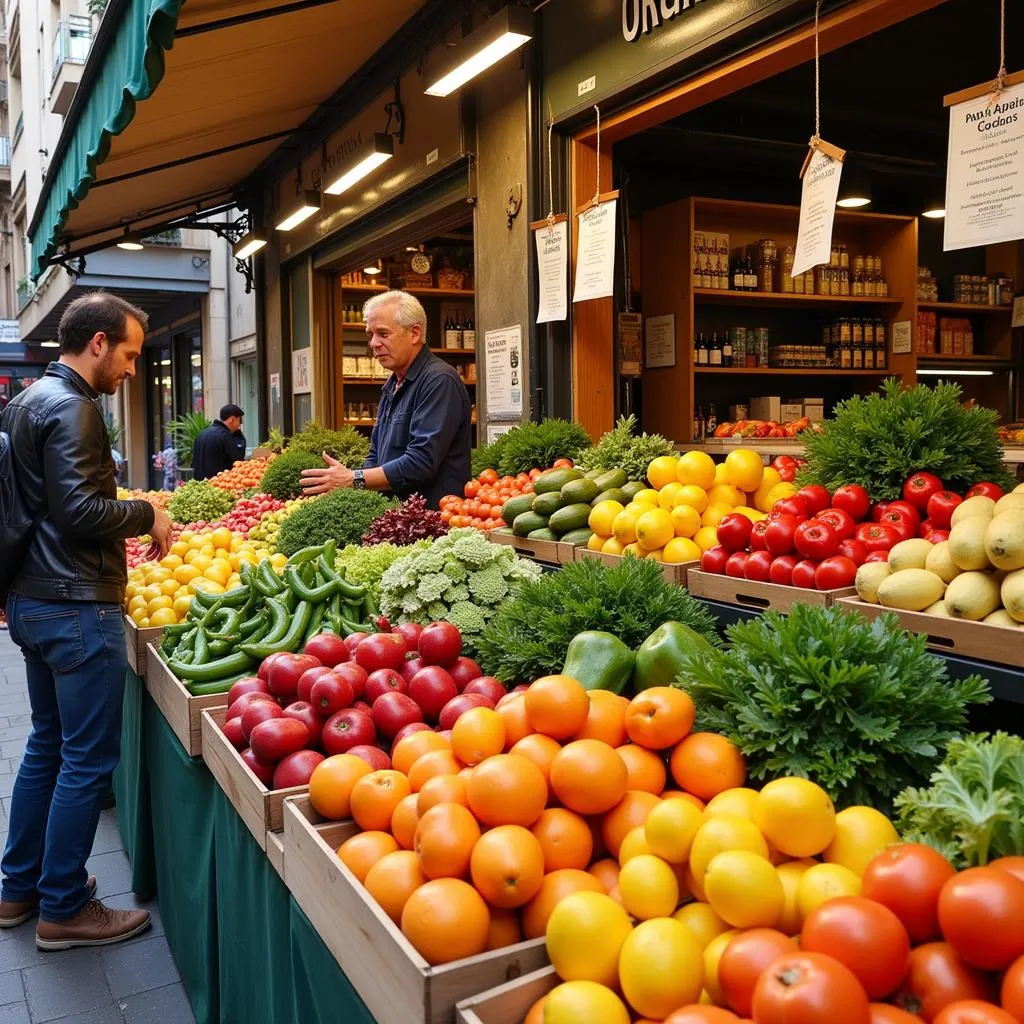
x=135 y=982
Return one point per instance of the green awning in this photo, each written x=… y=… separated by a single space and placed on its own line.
x=132 y=65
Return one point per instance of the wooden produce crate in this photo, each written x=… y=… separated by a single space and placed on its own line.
x=508 y=1003
x=674 y=573
x=275 y=851
x=552 y=551
x=396 y=983
x=260 y=808
x=759 y=596
x=1000 y=644
x=137 y=641
x=177 y=705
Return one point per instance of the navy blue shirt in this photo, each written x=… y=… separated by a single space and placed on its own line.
x=422 y=437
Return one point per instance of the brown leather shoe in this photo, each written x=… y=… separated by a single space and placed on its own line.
x=15 y=912
x=94 y=925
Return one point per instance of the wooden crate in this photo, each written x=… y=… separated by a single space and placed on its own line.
x=758 y=596
x=552 y=551
x=260 y=808
x=177 y=705
x=275 y=851
x=1001 y=644
x=137 y=641
x=508 y=1003
x=396 y=983
x=677 y=573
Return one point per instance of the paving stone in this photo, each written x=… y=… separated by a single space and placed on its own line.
x=161 y=1006
x=113 y=873
x=15 y=1013
x=7 y=780
x=15 y=732
x=20 y=719
x=11 y=988
x=99 y=1015
x=70 y=984
x=108 y=835
x=18 y=950
x=12 y=748
x=139 y=967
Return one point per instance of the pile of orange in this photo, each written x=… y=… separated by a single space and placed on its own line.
x=242 y=476
x=469 y=845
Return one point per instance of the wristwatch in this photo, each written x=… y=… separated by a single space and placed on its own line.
x=359 y=480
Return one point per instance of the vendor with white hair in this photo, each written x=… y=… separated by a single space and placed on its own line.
x=422 y=438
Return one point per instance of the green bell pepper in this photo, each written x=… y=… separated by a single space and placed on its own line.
x=599 y=661
x=659 y=657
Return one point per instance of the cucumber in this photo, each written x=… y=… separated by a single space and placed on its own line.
x=580 y=536
x=593 y=474
x=633 y=488
x=612 y=494
x=514 y=506
x=542 y=534
x=571 y=517
x=545 y=504
x=613 y=478
x=526 y=522
x=555 y=480
x=576 y=491
x=505 y=531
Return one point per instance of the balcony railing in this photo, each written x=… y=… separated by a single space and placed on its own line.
x=18 y=127
x=5 y=151
x=72 y=42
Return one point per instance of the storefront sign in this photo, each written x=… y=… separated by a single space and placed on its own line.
x=985 y=171
x=817 y=212
x=595 y=257
x=660 y=339
x=642 y=16
x=10 y=333
x=552 y=263
x=302 y=371
x=504 y=355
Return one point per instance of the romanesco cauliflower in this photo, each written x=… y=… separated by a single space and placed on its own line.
x=488 y=585
x=467 y=618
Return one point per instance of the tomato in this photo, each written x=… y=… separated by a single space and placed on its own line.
x=878 y=509
x=328 y=648
x=835 y=572
x=907 y=878
x=471 y=489
x=781 y=571
x=714 y=559
x=757 y=536
x=852 y=499
x=840 y=520
x=882 y=1013
x=808 y=988
x=938 y=536
x=865 y=936
x=1012 y=995
x=562 y=464
x=853 y=550
x=786 y=466
x=1015 y=865
x=490 y=476
x=936 y=977
x=285 y=673
x=734 y=531
x=440 y=644
x=940 y=508
x=974 y=1011
x=815 y=497
x=919 y=487
x=981 y=913
x=878 y=556
x=876 y=536
x=803 y=574
x=745 y=959
x=277 y=737
x=779 y=534
x=915 y=516
x=736 y=566
x=900 y=521
x=816 y=539
x=986 y=490
x=793 y=506
x=381 y=650
x=758 y=566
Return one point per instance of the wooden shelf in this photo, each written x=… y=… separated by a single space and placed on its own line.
x=349 y=325
x=785 y=300
x=442 y=293
x=454 y=351
x=974 y=357
x=824 y=371
x=371 y=423
x=761 y=445
x=363 y=288
x=963 y=307
x=364 y=380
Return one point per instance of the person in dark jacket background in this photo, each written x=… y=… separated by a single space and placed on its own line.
x=220 y=445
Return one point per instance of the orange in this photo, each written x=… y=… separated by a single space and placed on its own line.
x=434 y=762
x=539 y=749
x=508 y=789
x=557 y=706
x=634 y=843
x=445 y=837
x=505 y=930
x=644 y=768
x=606 y=719
x=565 y=839
x=441 y=789
x=588 y=776
x=707 y=764
x=479 y=733
x=375 y=797
x=362 y=851
x=415 y=746
x=393 y=879
x=678 y=794
x=606 y=872
x=513 y=713
x=660 y=717
x=404 y=820
x=507 y=866
x=535 y=1015
x=629 y=812
x=446 y=920
x=553 y=889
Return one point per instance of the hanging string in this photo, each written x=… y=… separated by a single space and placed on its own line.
x=1001 y=77
x=551 y=166
x=597 y=193
x=817 y=72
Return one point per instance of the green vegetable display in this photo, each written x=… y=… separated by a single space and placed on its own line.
x=621 y=448
x=346 y=445
x=462 y=578
x=367 y=565
x=862 y=709
x=283 y=477
x=660 y=657
x=530 y=635
x=878 y=440
x=198 y=501
x=599 y=661
x=973 y=809
x=343 y=516
x=531 y=446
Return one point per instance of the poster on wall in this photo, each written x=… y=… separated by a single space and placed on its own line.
x=552 y=263
x=495 y=430
x=660 y=341
x=504 y=354
x=302 y=371
x=985 y=170
x=595 y=257
x=631 y=350
x=817 y=209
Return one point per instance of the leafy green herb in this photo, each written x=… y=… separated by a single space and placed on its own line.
x=862 y=709
x=199 y=501
x=531 y=446
x=622 y=449
x=878 y=440
x=283 y=478
x=368 y=565
x=973 y=811
x=530 y=635
x=347 y=445
x=343 y=515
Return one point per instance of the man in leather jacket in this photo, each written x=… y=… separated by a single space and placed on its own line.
x=64 y=612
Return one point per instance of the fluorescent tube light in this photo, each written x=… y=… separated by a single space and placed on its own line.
x=248 y=245
x=54 y=344
x=382 y=148
x=954 y=373
x=307 y=202
x=935 y=213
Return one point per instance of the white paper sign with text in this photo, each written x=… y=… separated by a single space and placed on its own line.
x=817 y=212
x=595 y=259
x=504 y=360
x=552 y=263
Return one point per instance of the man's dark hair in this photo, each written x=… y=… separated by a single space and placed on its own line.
x=97 y=311
x=228 y=411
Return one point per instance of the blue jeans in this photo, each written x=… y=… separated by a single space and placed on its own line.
x=76 y=662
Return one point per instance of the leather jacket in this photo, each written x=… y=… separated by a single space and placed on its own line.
x=66 y=476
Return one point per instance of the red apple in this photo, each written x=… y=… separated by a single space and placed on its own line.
x=464 y=671
x=255 y=697
x=296 y=769
x=330 y=694
x=432 y=687
x=264 y=670
x=488 y=686
x=285 y=673
x=510 y=696
x=411 y=632
x=260 y=711
x=233 y=731
x=329 y=648
x=347 y=729
x=276 y=739
x=307 y=679
x=361 y=705
x=304 y=712
x=521 y=688
x=356 y=675
x=376 y=758
x=408 y=730
x=263 y=770
x=384 y=680
x=353 y=640
x=381 y=650
x=411 y=666
x=440 y=644
x=392 y=711
x=451 y=712
x=250 y=684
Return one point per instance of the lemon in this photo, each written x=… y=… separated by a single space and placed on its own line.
x=768 y=481
x=633 y=551
x=721 y=474
x=584 y=936
x=611 y=547
x=679 y=550
x=171 y=561
x=163 y=617
x=602 y=515
x=685 y=520
x=624 y=526
x=648 y=495
x=654 y=529
x=706 y=538
x=661 y=968
x=744 y=469
x=726 y=494
x=751 y=513
x=712 y=955
x=721 y=833
x=670 y=828
x=156 y=603
x=182 y=605
x=703 y=923
x=658 y=555
x=137 y=615
x=574 y=1001
x=596 y=542
x=697 y=468
x=661 y=471
x=822 y=883
x=790 y=874
x=744 y=889
x=778 y=492
x=694 y=496
x=634 y=844
x=739 y=801
x=640 y=507
x=860 y=834
x=713 y=514
x=796 y=816
x=648 y=887
x=669 y=494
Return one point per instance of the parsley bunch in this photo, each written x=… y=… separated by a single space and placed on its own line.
x=531 y=446
x=623 y=449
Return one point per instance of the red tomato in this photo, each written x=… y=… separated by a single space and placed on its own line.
x=986 y=490
x=907 y=878
x=758 y=566
x=757 y=536
x=865 y=936
x=876 y=536
x=736 y=565
x=840 y=520
x=1015 y=865
x=803 y=574
x=883 y=1013
x=714 y=559
x=471 y=489
x=786 y=466
x=816 y=539
x=782 y=570
x=853 y=499
x=815 y=497
x=745 y=959
x=1012 y=994
x=854 y=551
x=981 y=913
x=734 y=531
x=490 y=476
x=808 y=988
x=940 y=508
x=936 y=977
x=919 y=487
x=878 y=509
x=915 y=516
x=926 y=529
x=900 y=521
x=835 y=572
x=793 y=506
x=938 y=536
x=878 y=556
x=440 y=643
x=779 y=534
x=974 y=1011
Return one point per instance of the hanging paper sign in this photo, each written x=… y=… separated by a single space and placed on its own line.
x=660 y=337
x=985 y=167
x=504 y=360
x=823 y=171
x=552 y=264
x=630 y=345
x=595 y=258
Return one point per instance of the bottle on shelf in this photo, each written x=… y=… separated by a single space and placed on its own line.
x=715 y=353
x=698 y=423
x=739 y=277
x=881 y=345
x=726 y=350
x=451 y=334
x=869 y=344
x=703 y=356
x=469 y=333
x=711 y=425
x=750 y=275
x=857 y=352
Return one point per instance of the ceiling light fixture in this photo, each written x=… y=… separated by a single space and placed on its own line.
x=51 y=344
x=248 y=245
x=307 y=202
x=854 y=189
x=954 y=373
x=482 y=48
x=382 y=148
x=936 y=213
x=373 y=268
x=130 y=242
